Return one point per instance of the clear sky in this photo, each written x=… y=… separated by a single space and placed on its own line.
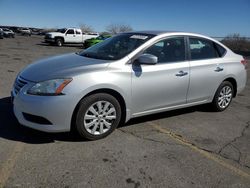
x=210 y=17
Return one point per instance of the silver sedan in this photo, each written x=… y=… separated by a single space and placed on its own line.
x=126 y=76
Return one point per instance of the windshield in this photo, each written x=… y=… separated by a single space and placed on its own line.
x=61 y=30
x=103 y=37
x=116 y=47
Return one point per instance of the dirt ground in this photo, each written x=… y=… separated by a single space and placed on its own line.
x=192 y=147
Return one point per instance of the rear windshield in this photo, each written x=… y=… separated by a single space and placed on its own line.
x=61 y=30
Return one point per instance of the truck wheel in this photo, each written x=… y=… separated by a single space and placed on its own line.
x=59 y=42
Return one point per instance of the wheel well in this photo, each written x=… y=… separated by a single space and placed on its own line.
x=112 y=92
x=234 y=83
x=59 y=38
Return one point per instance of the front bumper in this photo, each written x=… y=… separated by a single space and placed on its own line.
x=57 y=110
x=49 y=40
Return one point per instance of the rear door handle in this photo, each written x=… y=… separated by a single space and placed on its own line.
x=181 y=73
x=218 y=69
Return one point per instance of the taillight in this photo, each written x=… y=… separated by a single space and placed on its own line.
x=244 y=62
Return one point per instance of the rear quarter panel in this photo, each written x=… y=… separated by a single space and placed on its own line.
x=236 y=70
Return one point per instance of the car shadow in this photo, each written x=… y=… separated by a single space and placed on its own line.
x=10 y=129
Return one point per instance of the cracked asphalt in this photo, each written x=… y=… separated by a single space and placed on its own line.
x=191 y=147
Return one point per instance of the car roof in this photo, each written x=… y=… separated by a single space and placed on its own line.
x=153 y=32
x=161 y=32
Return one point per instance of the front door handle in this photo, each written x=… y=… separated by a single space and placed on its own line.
x=218 y=69
x=181 y=73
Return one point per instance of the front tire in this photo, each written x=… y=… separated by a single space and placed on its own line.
x=98 y=115
x=59 y=42
x=223 y=96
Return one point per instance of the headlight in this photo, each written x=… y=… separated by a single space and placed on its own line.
x=49 y=87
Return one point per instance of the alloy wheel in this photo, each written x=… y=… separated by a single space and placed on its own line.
x=99 y=117
x=225 y=97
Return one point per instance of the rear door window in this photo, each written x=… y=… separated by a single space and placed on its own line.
x=78 y=32
x=220 y=49
x=202 y=48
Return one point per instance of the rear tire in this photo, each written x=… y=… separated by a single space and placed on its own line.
x=98 y=115
x=223 y=96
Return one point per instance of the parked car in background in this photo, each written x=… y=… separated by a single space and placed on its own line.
x=93 y=41
x=42 y=32
x=1 y=33
x=68 y=36
x=126 y=76
x=25 y=31
x=35 y=31
x=8 y=33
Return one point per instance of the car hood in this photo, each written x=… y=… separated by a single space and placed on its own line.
x=56 y=33
x=63 y=66
x=94 y=40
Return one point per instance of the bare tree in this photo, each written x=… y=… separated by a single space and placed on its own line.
x=104 y=33
x=86 y=28
x=237 y=43
x=118 y=28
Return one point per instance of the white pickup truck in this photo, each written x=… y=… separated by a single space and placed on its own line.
x=68 y=36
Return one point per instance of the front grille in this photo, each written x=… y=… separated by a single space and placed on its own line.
x=19 y=83
x=47 y=36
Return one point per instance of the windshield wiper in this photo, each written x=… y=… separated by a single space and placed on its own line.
x=95 y=56
x=89 y=55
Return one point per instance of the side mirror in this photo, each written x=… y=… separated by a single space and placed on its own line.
x=147 y=59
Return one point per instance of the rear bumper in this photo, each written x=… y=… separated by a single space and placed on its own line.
x=241 y=81
x=9 y=34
